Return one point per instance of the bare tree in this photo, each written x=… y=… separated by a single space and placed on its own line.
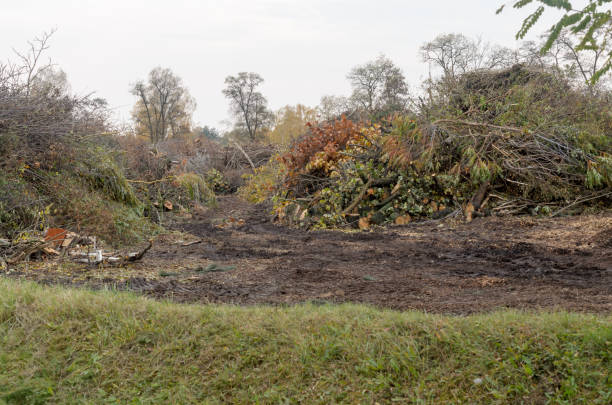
x=456 y=54
x=378 y=86
x=164 y=105
x=30 y=61
x=248 y=105
x=19 y=77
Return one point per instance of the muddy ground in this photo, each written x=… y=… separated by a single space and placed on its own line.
x=442 y=267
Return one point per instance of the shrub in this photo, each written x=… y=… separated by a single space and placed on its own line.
x=217 y=182
x=263 y=182
x=195 y=188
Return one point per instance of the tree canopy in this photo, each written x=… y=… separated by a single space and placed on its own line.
x=164 y=107
x=248 y=105
x=379 y=87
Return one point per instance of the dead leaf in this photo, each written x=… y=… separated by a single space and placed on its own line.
x=168 y=205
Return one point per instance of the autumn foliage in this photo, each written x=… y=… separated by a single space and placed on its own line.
x=323 y=142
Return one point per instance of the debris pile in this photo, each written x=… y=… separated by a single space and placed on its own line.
x=499 y=157
x=63 y=244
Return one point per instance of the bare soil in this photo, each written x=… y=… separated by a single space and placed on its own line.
x=442 y=267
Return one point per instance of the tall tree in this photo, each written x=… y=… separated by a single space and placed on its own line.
x=590 y=24
x=248 y=105
x=164 y=107
x=379 y=87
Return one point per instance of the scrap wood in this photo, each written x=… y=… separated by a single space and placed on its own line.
x=50 y=251
x=30 y=246
x=110 y=260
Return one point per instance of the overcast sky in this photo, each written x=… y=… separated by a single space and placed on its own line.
x=303 y=49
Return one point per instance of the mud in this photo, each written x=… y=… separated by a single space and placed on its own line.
x=442 y=267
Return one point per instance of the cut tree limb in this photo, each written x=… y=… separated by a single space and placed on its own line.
x=357 y=200
x=133 y=257
x=476 y=201
x=244 y=153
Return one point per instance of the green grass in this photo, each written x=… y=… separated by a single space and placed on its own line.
x=70 y=346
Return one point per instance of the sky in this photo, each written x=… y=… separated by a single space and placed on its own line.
x=303 y=49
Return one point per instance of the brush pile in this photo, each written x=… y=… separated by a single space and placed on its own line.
x=507 y=142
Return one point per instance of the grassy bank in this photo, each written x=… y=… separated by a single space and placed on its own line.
x=67 y=346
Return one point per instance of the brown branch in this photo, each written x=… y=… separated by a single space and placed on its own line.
x=357 y=200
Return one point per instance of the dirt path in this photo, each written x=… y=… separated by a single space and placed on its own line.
x=517 y=262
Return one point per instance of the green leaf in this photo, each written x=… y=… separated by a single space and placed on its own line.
x=529 y=22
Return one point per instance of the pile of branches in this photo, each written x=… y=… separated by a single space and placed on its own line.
x=42 y=133
x=491 y=158
x=57 y=156
x=248 y=156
